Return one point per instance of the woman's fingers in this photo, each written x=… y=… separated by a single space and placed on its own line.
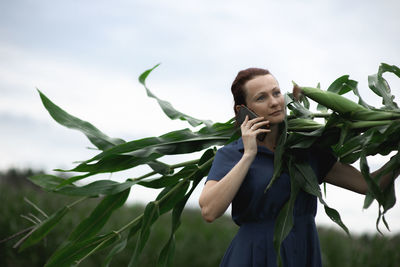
x=249 y=123
x=264 y=125
x=257 y=125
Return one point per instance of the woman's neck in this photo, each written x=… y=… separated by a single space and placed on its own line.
x=271 y=138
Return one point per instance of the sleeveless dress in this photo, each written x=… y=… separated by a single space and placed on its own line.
x=255 y=212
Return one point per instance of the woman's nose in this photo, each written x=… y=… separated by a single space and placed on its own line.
x=273 y=102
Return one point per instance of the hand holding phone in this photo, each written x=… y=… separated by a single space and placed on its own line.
x=241 y=116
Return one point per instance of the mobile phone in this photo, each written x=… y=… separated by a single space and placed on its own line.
x=241 y=116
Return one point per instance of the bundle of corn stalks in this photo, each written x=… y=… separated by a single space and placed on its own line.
x=352 y=130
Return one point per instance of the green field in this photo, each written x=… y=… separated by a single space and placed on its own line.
x=197 y=242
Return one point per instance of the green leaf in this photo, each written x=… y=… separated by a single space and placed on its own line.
x=115 y=250
x=167 y=253
x=168 y=109
x=284 y=221
x=342 y=85
x=369 y=198
x=372 y=184
x=74 y=253
x=138 y=152
x=44 y=228
x=297 y=108
x=207 y=155
x=170 y=180
x=389 y=68
x=303 y=125
x=305 y=177
x=135 y=226
x=111 y=164
x=98 y=218
x=320 y=107
x=388 y=195
x=151 y=214
x=46 y=181
x=160 y=167
x=219 y=132
x=71 y=180
x=279 y=154
x=335 y=217
x=99 y=139
x=344 y=133
x=379 y=85
x=171 y=195
x=101 y=187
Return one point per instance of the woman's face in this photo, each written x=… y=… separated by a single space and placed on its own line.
x=264 y=97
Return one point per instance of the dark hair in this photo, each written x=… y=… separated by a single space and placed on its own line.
x=238 y=92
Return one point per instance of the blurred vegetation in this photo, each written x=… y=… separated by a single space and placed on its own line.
x=197 y=243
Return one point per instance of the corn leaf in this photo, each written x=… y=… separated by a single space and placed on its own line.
x=279 y=155
x=101 y=187
x=369 y=198
x=74 y=253
x=168 y=109
x=44 y=228
x=99 y=139
x=160 y=167
x=342 y=85
x=46 y=181
x=169 y=180
x=305 y=177
x=284 y=221
x=167 y=253
x=120 y=246
x=98 y=218
x=171 y=195
x=150 y=215
x=379 y=85
x=135 y=153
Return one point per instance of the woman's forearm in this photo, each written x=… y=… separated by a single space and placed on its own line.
x=348 y=177
x=218 y=195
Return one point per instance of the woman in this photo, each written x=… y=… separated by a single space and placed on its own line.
x=242 y=169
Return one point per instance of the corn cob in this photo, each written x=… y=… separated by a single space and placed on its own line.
x=344 y=106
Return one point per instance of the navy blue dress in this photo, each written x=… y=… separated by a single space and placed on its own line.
x=255 y=212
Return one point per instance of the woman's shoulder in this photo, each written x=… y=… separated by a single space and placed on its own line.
x=231 y=151
x=234 y=146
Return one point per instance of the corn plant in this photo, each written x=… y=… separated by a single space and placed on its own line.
x=352 y=130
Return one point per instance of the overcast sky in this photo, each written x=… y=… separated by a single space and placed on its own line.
x=86 y=56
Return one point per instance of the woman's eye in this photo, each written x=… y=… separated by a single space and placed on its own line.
x=260 y=97
x=277 y=93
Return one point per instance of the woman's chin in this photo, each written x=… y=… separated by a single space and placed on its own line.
x=276 y=120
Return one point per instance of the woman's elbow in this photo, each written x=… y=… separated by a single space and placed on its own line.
x=206 y=213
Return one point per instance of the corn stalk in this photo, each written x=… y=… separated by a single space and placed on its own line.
x=352 y=130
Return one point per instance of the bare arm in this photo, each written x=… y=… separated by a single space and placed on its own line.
x=348 y=177
x=218 y=195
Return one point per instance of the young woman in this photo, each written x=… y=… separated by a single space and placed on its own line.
x=242 y=169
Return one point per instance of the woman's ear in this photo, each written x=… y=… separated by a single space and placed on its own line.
x=237 y=107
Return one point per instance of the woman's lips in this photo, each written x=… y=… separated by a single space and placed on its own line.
x=275 y=113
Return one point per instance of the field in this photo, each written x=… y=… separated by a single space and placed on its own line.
x=197 y=242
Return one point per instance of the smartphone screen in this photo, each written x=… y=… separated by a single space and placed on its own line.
x=241 y=116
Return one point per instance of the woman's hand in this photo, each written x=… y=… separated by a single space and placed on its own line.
x=250 y=129
x=218 y=195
